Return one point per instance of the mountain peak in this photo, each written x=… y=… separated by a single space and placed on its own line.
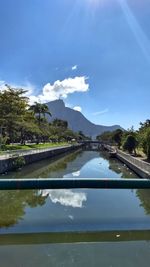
x=58 y=104
x=58 y=101
x=76 y=120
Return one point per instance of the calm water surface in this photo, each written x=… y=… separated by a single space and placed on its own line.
x=75 y=227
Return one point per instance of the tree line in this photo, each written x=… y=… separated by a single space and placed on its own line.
x=21 y=122
x=130 y=140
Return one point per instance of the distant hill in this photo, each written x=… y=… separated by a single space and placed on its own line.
x=76 y=120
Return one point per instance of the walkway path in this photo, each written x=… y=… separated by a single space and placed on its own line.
x=21 y=152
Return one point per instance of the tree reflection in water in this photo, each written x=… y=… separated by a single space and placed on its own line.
x=45 y=168
x=13 y=204
x=118 y=167
x=144 y=196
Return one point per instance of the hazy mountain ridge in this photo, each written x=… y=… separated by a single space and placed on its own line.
x=76 y=120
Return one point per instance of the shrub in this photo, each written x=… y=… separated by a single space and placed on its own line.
x=146 y=143
x=18 y=162
x=130 y=143
x=3 y=141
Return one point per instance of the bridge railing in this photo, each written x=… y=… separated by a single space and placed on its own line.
x=72 y=183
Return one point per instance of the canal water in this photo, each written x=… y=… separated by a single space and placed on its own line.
x=75 y=227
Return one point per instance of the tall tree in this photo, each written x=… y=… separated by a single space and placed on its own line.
x=144 y=137
x=130 y=143
x=60 y=123
x=40 y=109
x=144 y=125
x=105 y=137
x=13 y=107
x=117 y=136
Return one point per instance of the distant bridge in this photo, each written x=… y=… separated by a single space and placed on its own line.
x=93 y=144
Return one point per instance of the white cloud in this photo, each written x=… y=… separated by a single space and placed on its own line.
x=2 y=85
x=27 y=86
x=71 y=217
x=78 y=108
x=65 y=197
x=2 y=82
x=61 y=89
x=50 y=92
x=101 y=112
x=74 y=67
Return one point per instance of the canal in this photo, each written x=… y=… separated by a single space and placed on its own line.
x=75 y=227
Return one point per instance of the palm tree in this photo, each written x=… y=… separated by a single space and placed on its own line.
x=45 y=110
x=60 y=123
x=40 y=109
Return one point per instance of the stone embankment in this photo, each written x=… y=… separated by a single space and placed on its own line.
x=30 y=156
x=141 y=168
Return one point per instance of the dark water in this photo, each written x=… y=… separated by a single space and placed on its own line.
x=75 y=227
x=83 y=164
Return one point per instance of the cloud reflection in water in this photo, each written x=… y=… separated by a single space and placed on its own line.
x=76 y=174
x=66 y=197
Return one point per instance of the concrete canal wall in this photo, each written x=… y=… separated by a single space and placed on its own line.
x=7 y=160
x=141 y=168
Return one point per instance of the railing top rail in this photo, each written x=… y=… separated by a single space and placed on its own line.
x=70 y=183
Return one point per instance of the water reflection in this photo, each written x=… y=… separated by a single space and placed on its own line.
x=118 y=167
x=66 y=197
x=76 y=174
x=46 y=168
x=144 y=196
x=13 y=204
x=78 y=164
x=76 y=209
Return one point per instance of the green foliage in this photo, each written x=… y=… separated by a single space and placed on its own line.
x=144 y=125
x=82 y=136
x=13 y=107
x=130 y=139
x=144 y=137
x=21 y=123
x=18 y=162
x=117 y=137
x=39 y=110
x=106 y=137
x=130 y=143
x=145 y=141
x=14 y=203
x=60 y=124
x=3 y=141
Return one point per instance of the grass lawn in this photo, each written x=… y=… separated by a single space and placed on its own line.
x=32 y=146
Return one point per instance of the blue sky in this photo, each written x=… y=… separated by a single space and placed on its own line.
x=95 y=54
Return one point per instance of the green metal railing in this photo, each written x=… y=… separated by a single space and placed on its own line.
x=69 y=183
